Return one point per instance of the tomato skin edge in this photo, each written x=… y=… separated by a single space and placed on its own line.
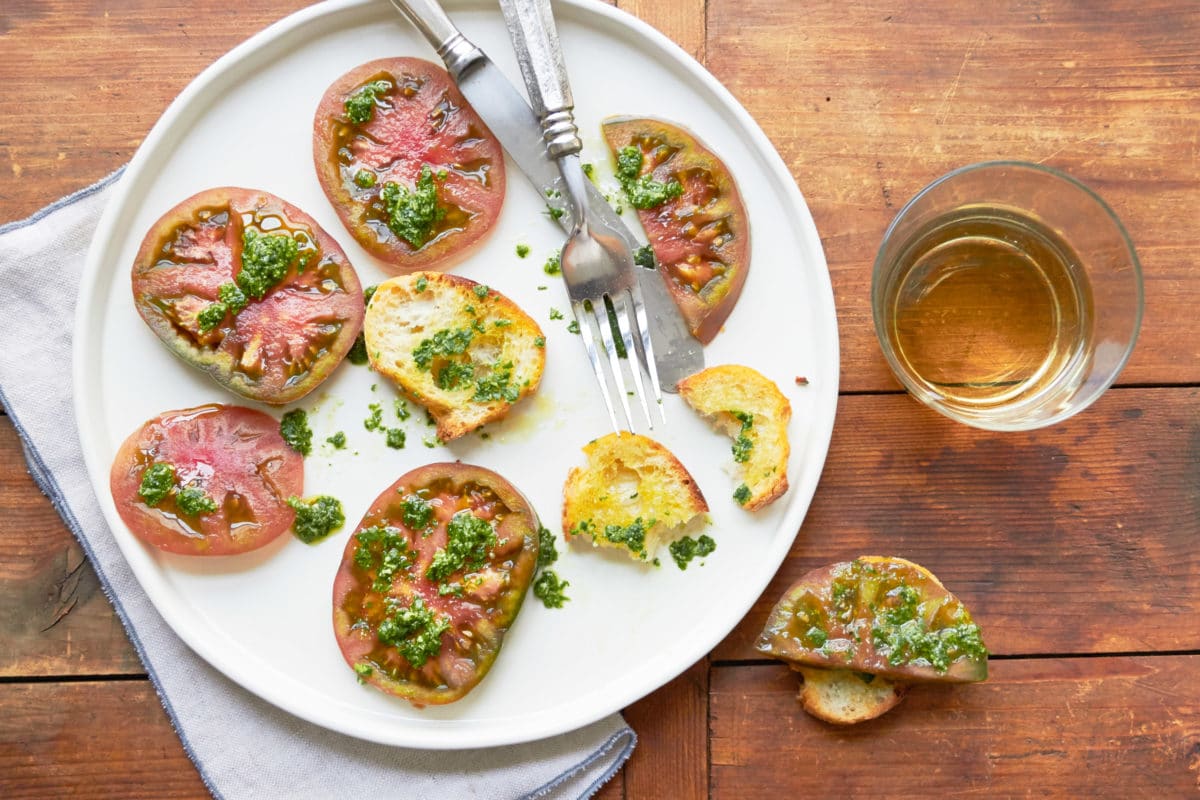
x=514 y=598
x=212 y=363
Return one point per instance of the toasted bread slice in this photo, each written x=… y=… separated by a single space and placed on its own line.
x=633 y=495
x=750 y=408
x=843 y=697
x=463 y=351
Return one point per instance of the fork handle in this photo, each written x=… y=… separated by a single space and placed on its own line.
x=535 y=41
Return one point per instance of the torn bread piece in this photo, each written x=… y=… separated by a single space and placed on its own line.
x=463 y=351
x=845 y=697
x=633 y=495
x=750 y=408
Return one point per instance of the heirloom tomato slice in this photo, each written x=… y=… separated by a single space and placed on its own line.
x=212 y=480
x=411 y=169
x=248 y=288
x=883 y=616
x=700 y=234
x=431 y=580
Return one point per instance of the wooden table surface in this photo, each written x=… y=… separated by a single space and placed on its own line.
x=1077 y=547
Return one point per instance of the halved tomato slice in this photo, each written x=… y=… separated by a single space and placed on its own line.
x=298 y=306
x=431 y=580
x=700 y=233
x=212 y=480
x=412 y=171
x=883 y=616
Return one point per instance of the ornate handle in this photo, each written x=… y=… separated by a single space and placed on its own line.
x=535 y=40
x=454 y=48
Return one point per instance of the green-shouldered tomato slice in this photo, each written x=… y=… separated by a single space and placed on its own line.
x=883 y=616
x=415 y=118
x=279 y=347
x=701 y=238
x=234 y=455
x=431 y=580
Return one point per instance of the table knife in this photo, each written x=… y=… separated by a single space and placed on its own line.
x=505 y=111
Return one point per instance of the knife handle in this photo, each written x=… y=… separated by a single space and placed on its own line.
x=455 y=49
x=535 y=41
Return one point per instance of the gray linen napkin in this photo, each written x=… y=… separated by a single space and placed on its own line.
x=242 y=746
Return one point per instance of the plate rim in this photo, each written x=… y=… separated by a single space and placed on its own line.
x=818 y=432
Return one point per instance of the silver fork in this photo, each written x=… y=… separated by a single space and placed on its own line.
x=597 y=264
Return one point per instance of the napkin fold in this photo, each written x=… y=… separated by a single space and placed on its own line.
x=241 y=745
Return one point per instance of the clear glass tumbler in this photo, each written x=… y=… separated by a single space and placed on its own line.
x=1007 y=296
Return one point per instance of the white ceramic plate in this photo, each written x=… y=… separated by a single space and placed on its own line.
x=264 y=618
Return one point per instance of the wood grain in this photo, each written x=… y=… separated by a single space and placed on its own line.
x=868 y=103
x=95 y=740
x=682 y=22
x=1095 y=727
x=54 y=620
x=1079 y=538
x=671 y=759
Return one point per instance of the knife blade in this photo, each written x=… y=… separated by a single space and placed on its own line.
x=505 y=111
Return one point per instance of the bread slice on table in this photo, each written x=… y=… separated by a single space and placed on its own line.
x=746 y=405
x=463 y=351
x=633 y=495
x=844 y=697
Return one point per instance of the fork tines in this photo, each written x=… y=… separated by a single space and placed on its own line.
x=596 y=313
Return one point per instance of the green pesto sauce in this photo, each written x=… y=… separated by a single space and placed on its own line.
x=686 y=549
x=549 y=588
x=422 y=283
x=415 y=631
x=384 y=550
x=573 y=326
x=368 y=293
x=316 y=518
x=374 y=422
x=266 y=259
x=741 y=494
x=358 y=351
x=553 y=265
x=555 y=313
x=539 y=341
x=743 y=444
x=631 y=536
x=413 y=213
x=365 y=179
x=644 y=257
x=396 y=438
x=481 y=290
x=902 y=635
x=338 y=440
x=443 y=344
x=157 y=482
x=547 y=549
x=416 y=512
x=360 y=106
x=295 y=431
x=401 y=408
x=468 y=541
x=522 y=250
x=193 y=501
x=642 y=190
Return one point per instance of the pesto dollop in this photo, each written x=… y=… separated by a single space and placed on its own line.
x=548 y=588
x=642 y=190
x=686 y=549
x=157 y=482
x=194 y=501
x=413 y=213
x=360 y=106
x=743 y=443
x=415 y=631
x=316 y=518
x=468 y=541
x=741 y=494
x=295 y=431
x=385 y=550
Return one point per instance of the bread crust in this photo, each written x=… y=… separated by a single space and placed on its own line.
x=717 y=393
x=630 y=478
